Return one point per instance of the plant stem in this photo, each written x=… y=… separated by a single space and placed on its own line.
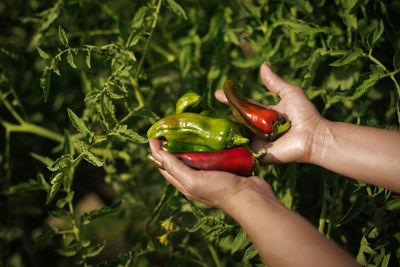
x=214 y=255
x=34 y=129
x=147 y=45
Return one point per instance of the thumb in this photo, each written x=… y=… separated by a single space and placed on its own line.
x=274 y=83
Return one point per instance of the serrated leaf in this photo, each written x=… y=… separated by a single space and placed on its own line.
x=349 y=5
x=196 y=226
x=42 y=240
x=177 y=9
x=70 y=250
x=129 y=134
x=94 y=250
x=70 y=60
x=42 y=53
x=31 y=185
x=185 y=59
x=92 y=159
x=45 y=160
x=77 y=122
x=312 y=67
x=63 y=36
x=241 y=240
x=396 y=60
x=59 y=214
x=138 y=19
x=61 y=163
x=250 y=253
x=94 y=214
x=365 y=81
x=251 y=9
x=45 y=83
x=393 y=204
x=87 y=59
x=56 y=182
x=303 y=27
x=374 y=36
x=348 y=58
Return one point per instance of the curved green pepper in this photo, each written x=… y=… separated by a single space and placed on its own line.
x=177 y=146
x=197 y=129
x=188 y=100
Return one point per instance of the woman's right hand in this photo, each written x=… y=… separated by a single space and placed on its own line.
x=296 y=144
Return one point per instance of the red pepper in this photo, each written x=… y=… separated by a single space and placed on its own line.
x=265 y=123
x=237 y=160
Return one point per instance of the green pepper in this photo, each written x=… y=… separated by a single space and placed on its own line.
x=187 y=101
x=217 y=133
x=177 y=146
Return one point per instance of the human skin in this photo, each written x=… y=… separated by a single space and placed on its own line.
x=364 y=153
x=282 y=237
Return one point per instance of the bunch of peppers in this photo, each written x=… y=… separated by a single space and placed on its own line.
x=208 y=141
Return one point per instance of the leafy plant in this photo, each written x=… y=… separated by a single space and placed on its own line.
x=81 y=82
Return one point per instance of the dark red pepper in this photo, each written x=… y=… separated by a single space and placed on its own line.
x=265 y=123
x=237 y=160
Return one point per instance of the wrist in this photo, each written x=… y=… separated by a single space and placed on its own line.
x=319 y=141
x=254 y=192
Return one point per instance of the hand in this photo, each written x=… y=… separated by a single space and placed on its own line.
x=212 y=188
x=296 y=144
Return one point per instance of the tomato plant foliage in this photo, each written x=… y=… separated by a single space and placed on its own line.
x=81 y=81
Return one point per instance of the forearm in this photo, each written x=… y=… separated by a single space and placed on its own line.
x=363 y=153
x=282 y=237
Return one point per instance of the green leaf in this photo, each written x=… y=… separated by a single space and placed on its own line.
x=70 y=60
x=216 y=23
x=70 y=250
x=197 y=225
x=94 y=250
x=185 y=59
x=348 y=58
x=56 y=181
x=396 y=60
x=365 y=81
x=42 y=53
x=312 y=67
x=251 y=9
x=68 y=147
x=45 y=160
x=42 y=240
x=59 y=214
x=349 y=5
x=177 y=9
x=250 y=253
x=140 y=15
x=303 y=27
x=31 y=185
x=94 y=214
x=62 y=163
x=129 y=134
x=45 y=83
x=63 y=36
x=77 y=122
x=87 y=59
x=241 y=240
x=375 y=35
x=393 y=204
x=92 y=159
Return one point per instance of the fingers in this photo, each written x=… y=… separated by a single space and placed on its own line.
x=274 y=83
x=176 y=172
x=220 y=96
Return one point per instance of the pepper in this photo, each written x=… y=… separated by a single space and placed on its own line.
x=265 y=123
x=187 y=101
x=177 y=146
x=217 y=133
x=236 y=160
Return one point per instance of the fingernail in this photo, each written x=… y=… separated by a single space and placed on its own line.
x=153 y=160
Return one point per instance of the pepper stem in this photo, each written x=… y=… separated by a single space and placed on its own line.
x=238 y=140
x=280 y=127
